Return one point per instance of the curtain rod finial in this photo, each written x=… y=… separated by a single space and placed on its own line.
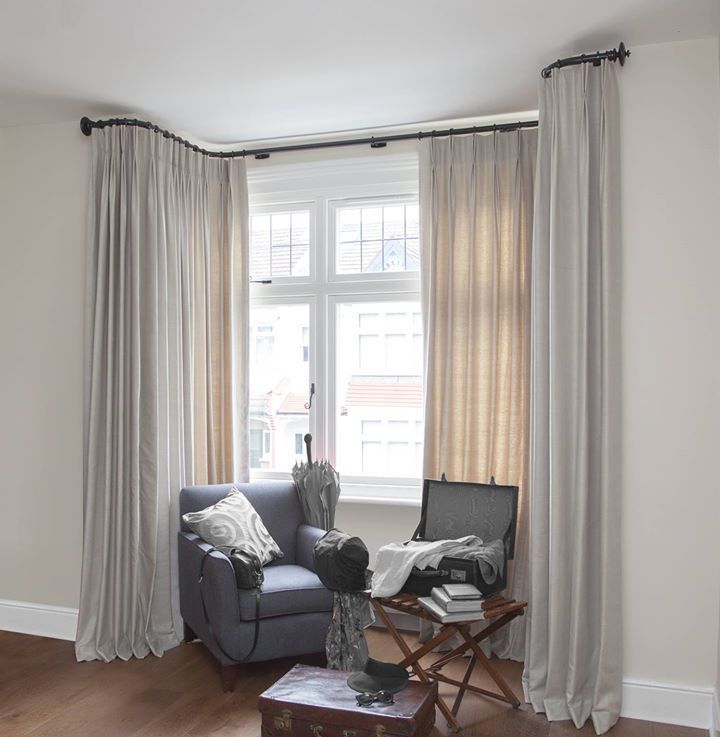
x=86 y=125
x=623 y=53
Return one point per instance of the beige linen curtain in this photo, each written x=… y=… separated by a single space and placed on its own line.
x=165 y=374
x=573 y=668
x=476 y=205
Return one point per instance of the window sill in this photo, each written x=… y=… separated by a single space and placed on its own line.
x=379 y=501
x=407 y=494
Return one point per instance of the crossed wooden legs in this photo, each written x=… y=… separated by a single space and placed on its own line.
x=430 y=673
x=412 y=658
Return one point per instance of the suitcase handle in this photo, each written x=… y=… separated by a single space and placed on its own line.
x=429 y=573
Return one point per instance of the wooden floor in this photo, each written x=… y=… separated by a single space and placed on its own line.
x=45 y=693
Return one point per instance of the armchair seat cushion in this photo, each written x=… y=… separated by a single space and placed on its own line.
x=287 y=589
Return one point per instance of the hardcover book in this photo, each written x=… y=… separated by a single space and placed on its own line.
x=428 y=603
x=455 y=605
x=462 y=591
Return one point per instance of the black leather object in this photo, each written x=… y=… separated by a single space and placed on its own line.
x=341 y=561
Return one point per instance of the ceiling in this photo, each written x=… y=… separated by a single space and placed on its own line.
x=237 y=70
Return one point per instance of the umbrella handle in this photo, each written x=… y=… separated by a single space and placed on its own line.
x=308 y=443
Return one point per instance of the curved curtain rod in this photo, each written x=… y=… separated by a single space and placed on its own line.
x=620 y=54
x=87 y=126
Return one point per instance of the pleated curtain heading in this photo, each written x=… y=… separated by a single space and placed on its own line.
x=165 y=375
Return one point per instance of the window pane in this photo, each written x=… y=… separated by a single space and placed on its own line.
x=371 y=256
x=369 y=321
x=400 y=458
x=279 y=381
x=280 y=244
x=394 y=218
x=412 y=222
x=371 y=428
x=395 y=350
x=379 y=391
x=369 y=352
x=377 y=239
x=281 y=260
x=348 y=257
x=300 y=228
x=372 y=221
x=396 y=321
x=372 y=463
x=349 y=225
x=398 y=430
x=281 y=229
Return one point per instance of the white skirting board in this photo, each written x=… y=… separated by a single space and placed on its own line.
x=716 y=715
x=38 y=619
x=668 y=703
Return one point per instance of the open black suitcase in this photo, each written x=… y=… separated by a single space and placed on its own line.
x=452 y=509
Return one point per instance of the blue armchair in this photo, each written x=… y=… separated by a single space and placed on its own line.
x=295 y=608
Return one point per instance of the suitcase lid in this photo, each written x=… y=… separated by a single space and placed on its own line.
x=452 y=509
x=322 y=696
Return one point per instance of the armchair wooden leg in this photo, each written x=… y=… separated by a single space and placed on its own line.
x=188 y=634
x=228 y=674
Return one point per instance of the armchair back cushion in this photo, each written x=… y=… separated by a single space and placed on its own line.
x=275 y=501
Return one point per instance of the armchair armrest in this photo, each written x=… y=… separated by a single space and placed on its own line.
x=307 y=536
x=219 y=590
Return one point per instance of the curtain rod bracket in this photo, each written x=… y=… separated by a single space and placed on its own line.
x=621 y=53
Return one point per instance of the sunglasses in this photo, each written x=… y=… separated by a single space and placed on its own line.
x=380 y=697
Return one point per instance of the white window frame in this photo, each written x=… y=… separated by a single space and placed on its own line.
x=322 y=187
x=270 y=209
x=381 y=277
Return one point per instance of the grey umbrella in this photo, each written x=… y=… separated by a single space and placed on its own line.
x=318 y=485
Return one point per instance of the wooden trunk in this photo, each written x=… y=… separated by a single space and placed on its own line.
x=315 y=702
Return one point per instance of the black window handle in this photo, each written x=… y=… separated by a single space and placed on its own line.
x=308 y=404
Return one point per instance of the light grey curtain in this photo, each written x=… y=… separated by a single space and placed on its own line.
x=165 y=374
x=573 y=668
x=476 y=205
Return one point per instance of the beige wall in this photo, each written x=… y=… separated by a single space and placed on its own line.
x=671 y=194
x=43 y=194
x=671 y=246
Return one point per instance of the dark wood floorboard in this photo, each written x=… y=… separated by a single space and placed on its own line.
x=45 y=693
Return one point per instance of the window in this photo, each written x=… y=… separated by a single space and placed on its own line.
x=279 y=379
x=377 y=237
x=280 y=244
x=379 y=385
x=343 y=312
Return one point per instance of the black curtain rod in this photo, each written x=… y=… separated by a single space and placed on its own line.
x=87 y=126
x=619 y=54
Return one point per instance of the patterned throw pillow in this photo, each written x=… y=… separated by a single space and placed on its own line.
x=233 y=522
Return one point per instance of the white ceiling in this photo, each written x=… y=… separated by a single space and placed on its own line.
x=237 y=70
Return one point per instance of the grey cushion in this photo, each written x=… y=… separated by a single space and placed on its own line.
x=275 y=501
x=233 y=523
x=287 y=589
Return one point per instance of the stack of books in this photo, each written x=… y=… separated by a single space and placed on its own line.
x=454 y=602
